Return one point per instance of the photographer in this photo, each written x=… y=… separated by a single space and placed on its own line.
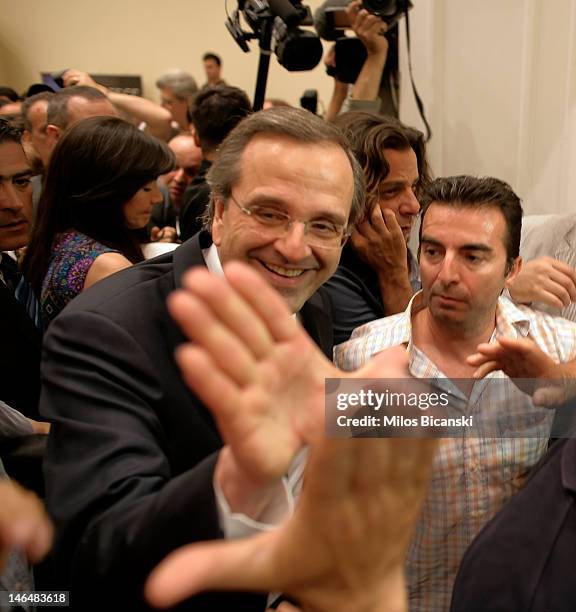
x=376 y=87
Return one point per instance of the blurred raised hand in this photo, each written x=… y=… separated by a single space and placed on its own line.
x=263 y=379
x=344 y=547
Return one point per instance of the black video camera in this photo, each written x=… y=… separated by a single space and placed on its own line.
x=295 y=48
x=331 y=20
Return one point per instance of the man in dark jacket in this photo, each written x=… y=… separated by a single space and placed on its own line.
x=217 y=110
x=133 y=467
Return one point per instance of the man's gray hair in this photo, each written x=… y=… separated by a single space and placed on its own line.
x=28 y=103
x=295 y=123
x=179 y=82
x=57 y=112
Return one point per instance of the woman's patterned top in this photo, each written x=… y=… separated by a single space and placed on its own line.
x=72 y=255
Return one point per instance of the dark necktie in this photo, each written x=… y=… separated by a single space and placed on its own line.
x=14 y=280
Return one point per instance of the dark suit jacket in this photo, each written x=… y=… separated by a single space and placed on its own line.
x=194 y=202
x=131 y=454
x=355 y=295
x=19 y=356
x=523 y=560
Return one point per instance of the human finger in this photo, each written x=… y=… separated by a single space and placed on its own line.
x=70 y=77
x=378 y=222
x=24 y=522
x=392 y=223
x=287 y=607
x=216 y=390
x=485 y=368
x=234 y=357
x=504 y=348
x=519 y=346
x=372 y=25
x=40 y=540
x=266 y=302
x=484 y=352
x=223 y=565
x=563 y=287
x=564 y=268
x=556 y=299
x=236 y=318
x=358 y=240
x=564 y=274
x=166 y=234
x=352 y=9
x=363 y=229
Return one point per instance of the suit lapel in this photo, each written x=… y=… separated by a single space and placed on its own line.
x=189 y=254
x=317 y=321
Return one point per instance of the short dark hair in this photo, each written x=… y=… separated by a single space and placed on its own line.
x=216 y=111
x=478 y=192
x=370 y=134
x=212 y=56
x=29 y=102
x=8 y=92
x=57 y=113
x=97 y=166
x=9 y=133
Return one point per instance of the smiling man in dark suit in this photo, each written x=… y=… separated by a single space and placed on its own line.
x=133 y=467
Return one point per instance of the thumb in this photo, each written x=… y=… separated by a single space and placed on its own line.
x=390 y=363
x=221 y=565
x=359 y=241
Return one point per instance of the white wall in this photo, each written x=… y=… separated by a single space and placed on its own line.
x=499 y=82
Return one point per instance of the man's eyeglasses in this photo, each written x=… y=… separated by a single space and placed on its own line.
x=277 y=224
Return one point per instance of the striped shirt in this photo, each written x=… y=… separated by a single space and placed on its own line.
x=473 y=476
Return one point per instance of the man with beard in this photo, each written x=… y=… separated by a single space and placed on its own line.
x=378 y=274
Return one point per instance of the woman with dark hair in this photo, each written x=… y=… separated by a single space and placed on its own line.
x=97 y=199
x=378 y=274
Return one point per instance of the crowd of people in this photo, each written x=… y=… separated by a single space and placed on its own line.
x=168 y=411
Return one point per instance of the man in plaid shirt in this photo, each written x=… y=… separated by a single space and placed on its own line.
x=469 y=247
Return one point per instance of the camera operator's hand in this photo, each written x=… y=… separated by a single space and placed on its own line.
x=370 y=30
